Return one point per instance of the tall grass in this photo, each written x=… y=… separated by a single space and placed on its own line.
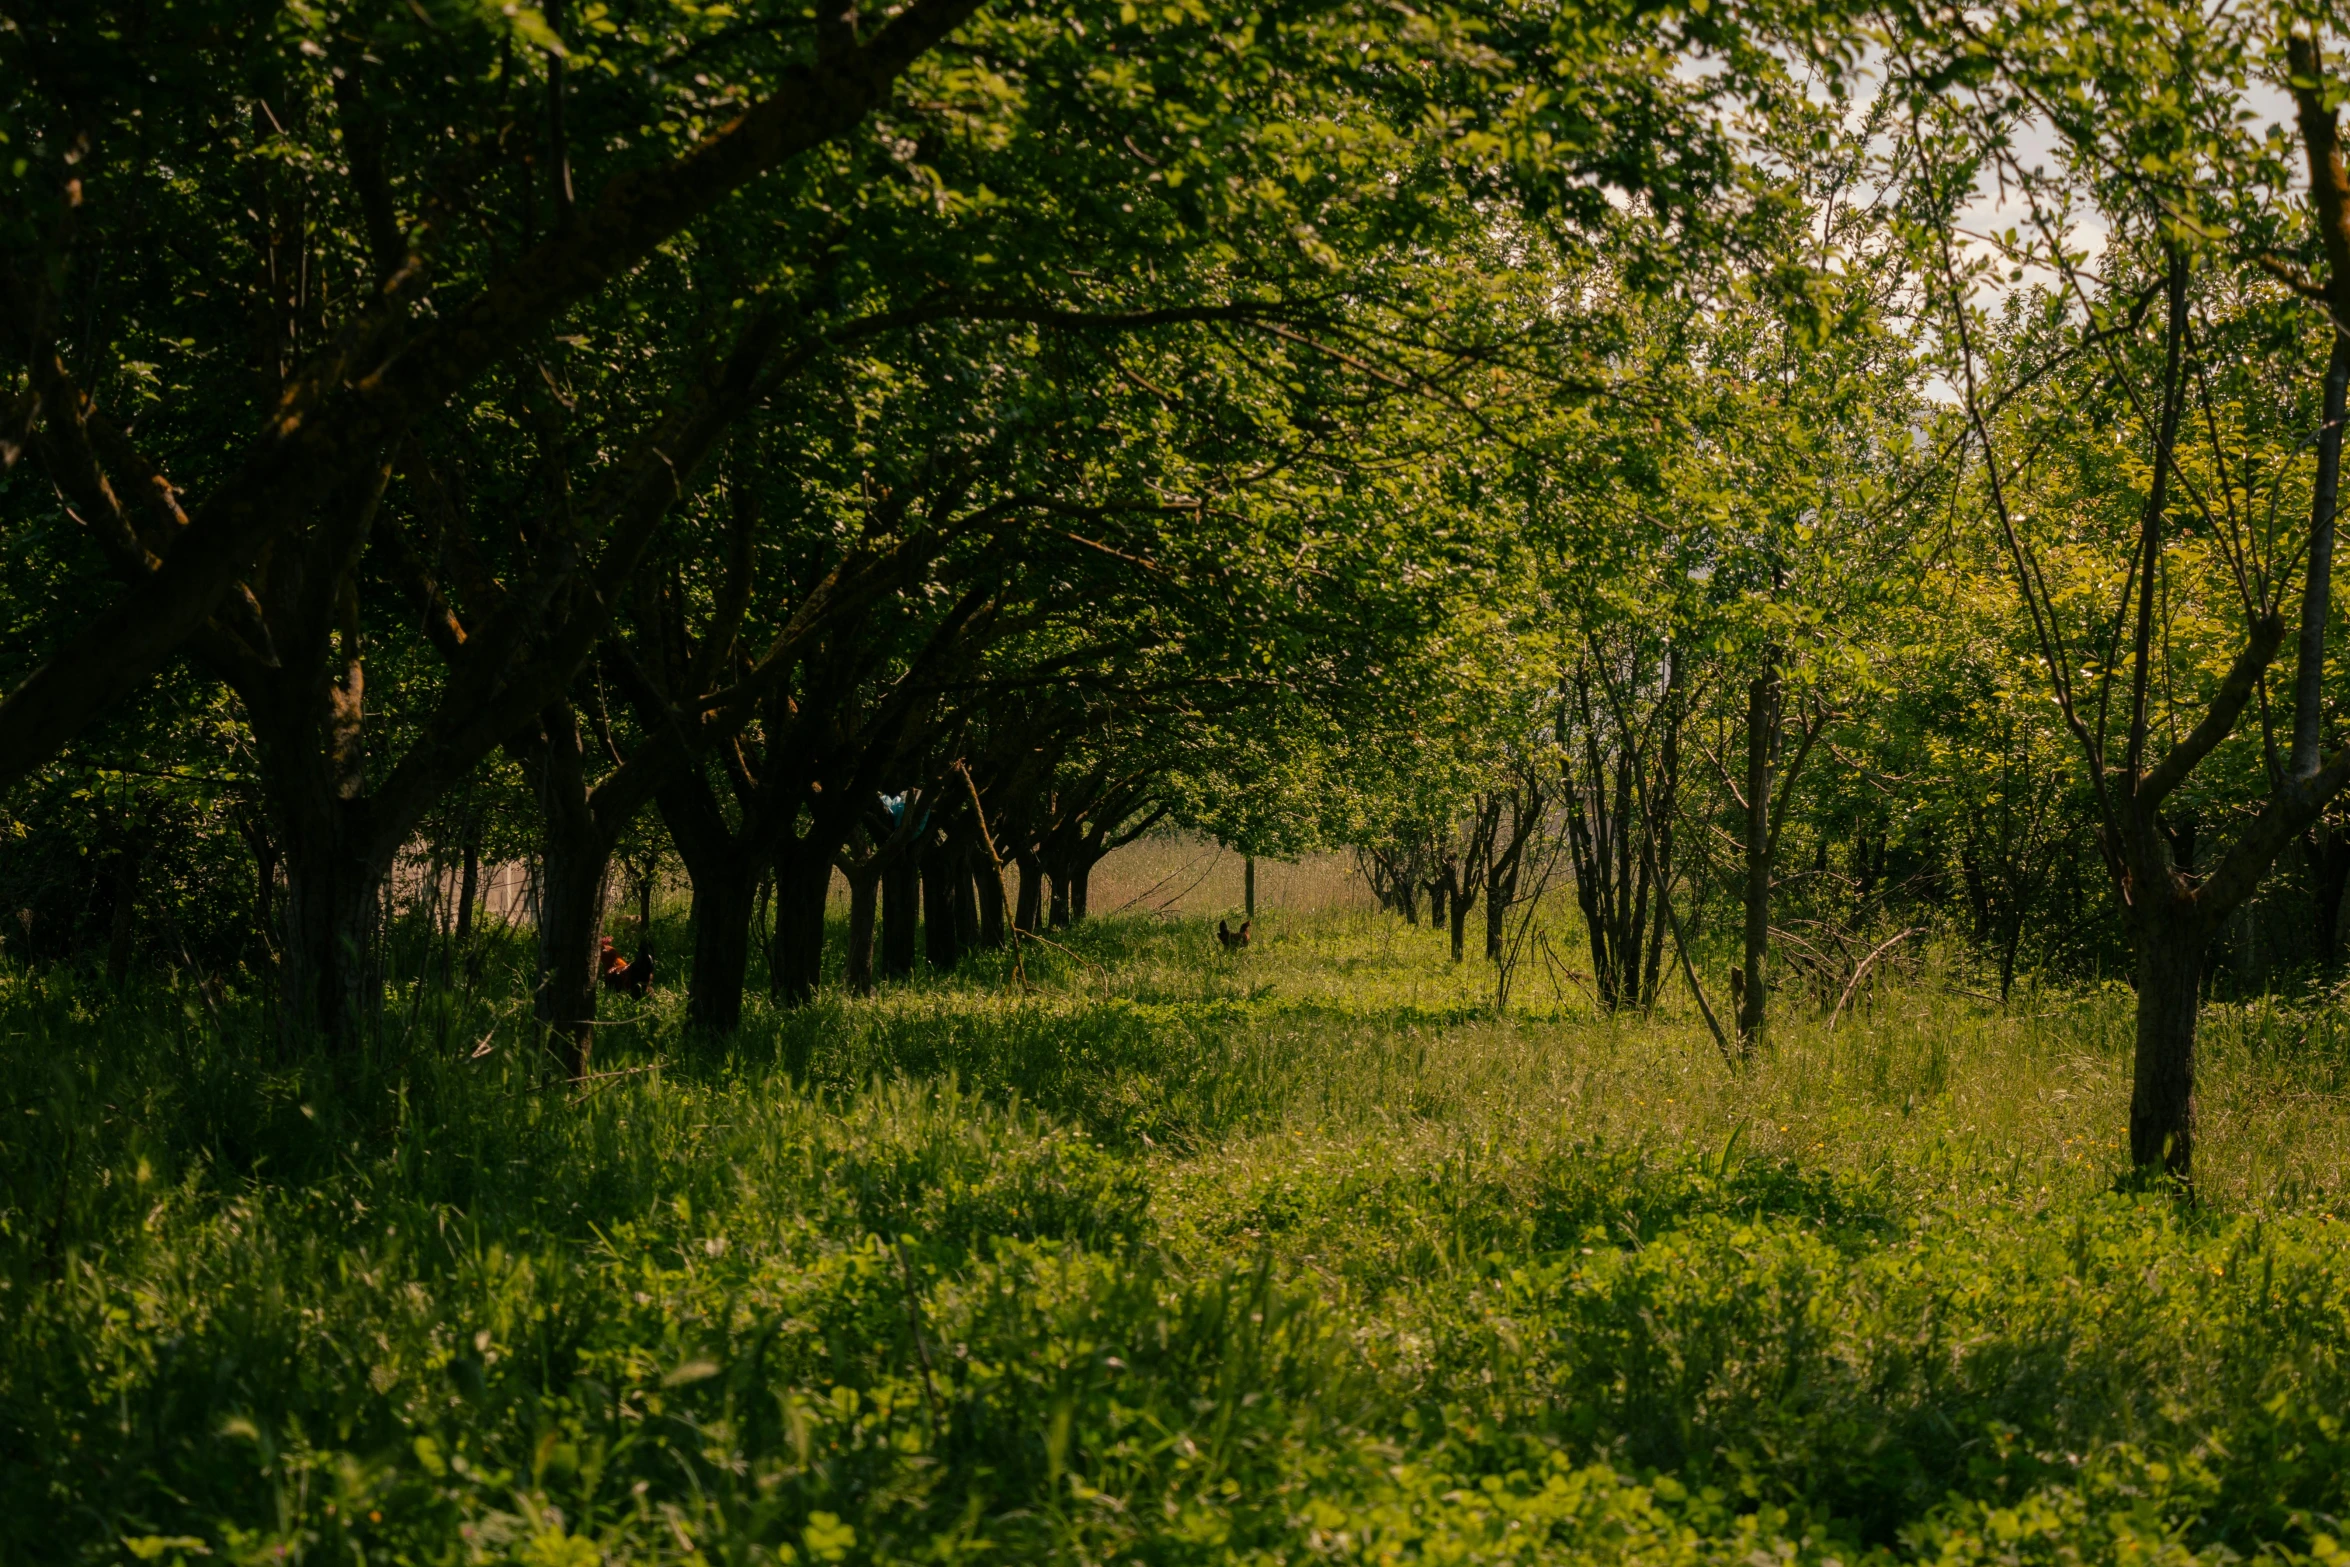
x=1145 y=1252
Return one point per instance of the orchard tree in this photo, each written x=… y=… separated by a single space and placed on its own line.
x=2161 y=576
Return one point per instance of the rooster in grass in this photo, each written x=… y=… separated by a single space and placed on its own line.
x=629 y=977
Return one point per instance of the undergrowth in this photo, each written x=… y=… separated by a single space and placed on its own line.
x=1153 y=1255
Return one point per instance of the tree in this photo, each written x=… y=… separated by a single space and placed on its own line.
x=2170 y=171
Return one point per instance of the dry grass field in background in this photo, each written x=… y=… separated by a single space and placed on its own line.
x=1180 y=874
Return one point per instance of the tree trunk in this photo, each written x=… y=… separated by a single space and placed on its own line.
x=1499 y=889
x=901 y=913
x=2327 y=851
x=1761 y=724
x=723 y=896
x=328 y=969
x=2007 y=954
x=329 y=986
x=803 y=881
x=864 y=894
x=1060 y=914
x=966 y=898
x=1080 y=882
x=1436 y=903
x=576 y=863
x=1658 y=935
x=987 y=887
x=468 y=894
x=941 y=947
x=2318 y=580
x=1031 y=904
x=264 y=847
x=725 y=863
x=1248 y=887
x=2162 y=1091
x=1656 y=820
x=770 y=937
x=1461 y=899
x=1977 y=884
x=575 y=867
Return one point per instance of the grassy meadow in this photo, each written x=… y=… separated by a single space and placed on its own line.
x=1148 y=1253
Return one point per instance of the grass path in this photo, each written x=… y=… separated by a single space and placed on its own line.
x=1169 y=1257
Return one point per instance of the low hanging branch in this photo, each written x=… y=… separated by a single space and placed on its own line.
x=1861 y=971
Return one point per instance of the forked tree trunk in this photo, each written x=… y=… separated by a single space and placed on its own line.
x=2171 y=950
x=864 y=895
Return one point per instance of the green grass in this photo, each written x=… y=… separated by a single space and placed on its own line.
x=1167 y=1257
